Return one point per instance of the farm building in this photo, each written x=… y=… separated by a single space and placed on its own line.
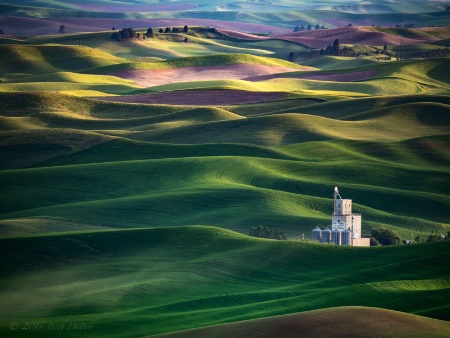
x=345 y=225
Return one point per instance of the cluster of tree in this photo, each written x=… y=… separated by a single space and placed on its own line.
x=62 y=29
x=130 y=33
x=334 y=49
x=386 y=52
x=384 y=236
x=266 y=232
x=125 y=33
x=307 y=28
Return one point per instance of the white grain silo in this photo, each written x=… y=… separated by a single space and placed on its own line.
x=346 y=237
x=316 y=234
x=326 y=236
x=336 y=236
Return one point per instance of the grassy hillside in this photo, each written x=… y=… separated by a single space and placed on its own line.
x=38 y=59
x=139 y=282
x=165 y=46
x=337 y=62
x=371 y=147
x=208 y=187
x=104 y=205
x=410 y=77
x=214 y=60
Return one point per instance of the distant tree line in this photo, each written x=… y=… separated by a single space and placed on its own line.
x=261 y=231
x=310 y=27
x=433 y=238
x=385 y=236
x=440 y=52
x=407 y=25
x=335 y=49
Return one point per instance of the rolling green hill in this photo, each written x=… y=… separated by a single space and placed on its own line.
x=130 y=219
x=208 y=187
x=39 y=59
x=371 y=147
x=162 y=46
x=137 y=282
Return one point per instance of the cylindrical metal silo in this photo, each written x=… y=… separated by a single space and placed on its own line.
x=346 y=237
x=336 y=237
x=326 y=236
x=316 y=234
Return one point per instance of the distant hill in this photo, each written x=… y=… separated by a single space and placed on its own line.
x=254 y=17
x=371 y=36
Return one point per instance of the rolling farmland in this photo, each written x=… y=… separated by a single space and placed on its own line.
x=131 y=171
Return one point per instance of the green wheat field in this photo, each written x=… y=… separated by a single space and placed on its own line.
x=132 y=171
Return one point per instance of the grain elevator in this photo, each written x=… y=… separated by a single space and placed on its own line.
x=345 y=226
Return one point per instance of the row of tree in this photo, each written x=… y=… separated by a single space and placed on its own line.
x=307 y=28
x=130 y=33
x=407 y=25
x=174 y=30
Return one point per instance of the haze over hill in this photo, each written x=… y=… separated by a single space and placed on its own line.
x=141 y=141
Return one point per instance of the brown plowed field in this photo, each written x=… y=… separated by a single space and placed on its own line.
x=338 y=77
x=201 y=97
x=156 y=77
x=343 y=77
x=334 y=322
x=349 y=35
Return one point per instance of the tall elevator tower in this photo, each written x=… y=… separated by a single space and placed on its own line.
x=344 y=219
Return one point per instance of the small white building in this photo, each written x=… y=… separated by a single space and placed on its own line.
x=345 y=225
